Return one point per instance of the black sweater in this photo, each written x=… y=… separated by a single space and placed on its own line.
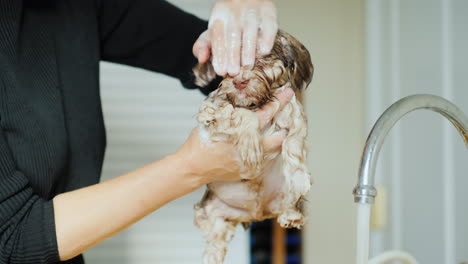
x=52 y=136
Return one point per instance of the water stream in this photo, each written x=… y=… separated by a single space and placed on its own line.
x=363 y=226
x=362 y=246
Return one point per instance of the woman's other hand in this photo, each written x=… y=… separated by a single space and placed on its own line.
x=205 y=163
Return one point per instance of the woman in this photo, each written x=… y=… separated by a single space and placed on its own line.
x=52 y=137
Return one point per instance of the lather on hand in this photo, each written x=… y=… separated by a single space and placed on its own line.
x=237 y=30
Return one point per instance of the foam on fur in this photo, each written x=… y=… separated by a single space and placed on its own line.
x=273 y=184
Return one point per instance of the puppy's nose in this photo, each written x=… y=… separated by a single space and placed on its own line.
x=240 y=85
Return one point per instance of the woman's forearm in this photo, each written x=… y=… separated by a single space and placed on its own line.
x=87 y=216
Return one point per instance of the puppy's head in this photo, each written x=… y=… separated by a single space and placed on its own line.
x=288 y=64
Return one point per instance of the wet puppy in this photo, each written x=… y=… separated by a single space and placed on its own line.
x=273 y=184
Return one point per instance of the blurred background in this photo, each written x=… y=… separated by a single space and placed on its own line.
x=367 y=54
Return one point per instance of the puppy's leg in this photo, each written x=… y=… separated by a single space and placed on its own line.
x=201 y=219
x=212 y=217
x=221 y=233
x=218 y=232
x=297 y=179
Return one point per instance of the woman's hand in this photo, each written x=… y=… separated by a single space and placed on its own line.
x=206 y=163
x=237 y=29
x=123 y=200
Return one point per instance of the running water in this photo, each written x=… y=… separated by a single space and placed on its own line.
x=363 y=227
x=362 y=246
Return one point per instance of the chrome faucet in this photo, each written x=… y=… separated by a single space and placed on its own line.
x=365 y=192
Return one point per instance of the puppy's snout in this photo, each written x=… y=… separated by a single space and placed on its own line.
x=240 y=85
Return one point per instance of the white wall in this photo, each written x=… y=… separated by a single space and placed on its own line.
x=332 y=30
x=419 y=46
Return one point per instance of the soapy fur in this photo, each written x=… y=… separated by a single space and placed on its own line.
x=273 y=183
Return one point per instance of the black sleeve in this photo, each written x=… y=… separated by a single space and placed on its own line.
x=150 y=34
x=27 y=226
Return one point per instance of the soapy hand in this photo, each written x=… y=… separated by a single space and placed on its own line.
x=237 y=29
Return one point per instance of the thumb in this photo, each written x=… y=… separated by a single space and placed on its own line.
x=273 y=142
x=201 y=48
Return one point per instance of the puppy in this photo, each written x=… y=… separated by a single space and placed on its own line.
x=273 y=183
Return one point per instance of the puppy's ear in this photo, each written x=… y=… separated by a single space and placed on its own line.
x=298 y=60
x=303 y=69
x=204 y=74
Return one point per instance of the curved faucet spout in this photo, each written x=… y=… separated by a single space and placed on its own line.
x=365 y=192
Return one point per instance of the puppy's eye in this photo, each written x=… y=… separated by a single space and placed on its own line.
x=252 y=106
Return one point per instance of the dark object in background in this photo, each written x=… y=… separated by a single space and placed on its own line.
x=261 y=244
x=261 y=234
x=294 y=246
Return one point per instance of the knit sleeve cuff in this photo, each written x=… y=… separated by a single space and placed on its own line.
x=51 y=253
x=40 y=238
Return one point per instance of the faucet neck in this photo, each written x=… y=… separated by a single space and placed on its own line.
x=365 y=192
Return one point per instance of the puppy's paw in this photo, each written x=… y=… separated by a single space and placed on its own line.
x=201 y=219
x=291 y=219
x=214 y=254
x=206 y=115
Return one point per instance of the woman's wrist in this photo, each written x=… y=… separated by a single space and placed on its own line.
x=187 y=171
x=119 y=202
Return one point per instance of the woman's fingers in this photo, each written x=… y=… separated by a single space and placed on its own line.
x=269 y=110
x=268 y=28
x=238 y=29
x=218 y=42
x=201 y=48
x=249 y=37
x=233 y=48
